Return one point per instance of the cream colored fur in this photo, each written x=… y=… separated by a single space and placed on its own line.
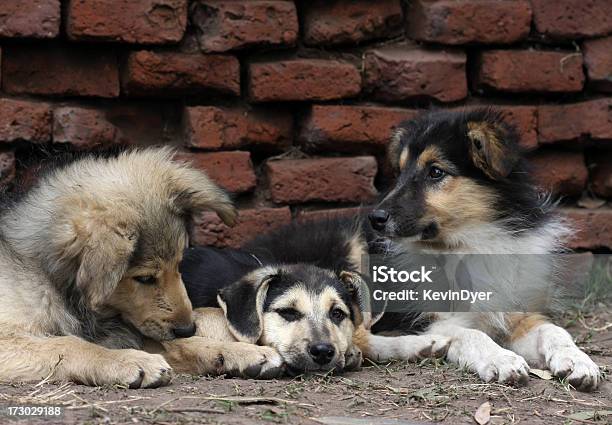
x=70 y=254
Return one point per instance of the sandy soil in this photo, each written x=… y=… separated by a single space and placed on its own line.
x=396 y=393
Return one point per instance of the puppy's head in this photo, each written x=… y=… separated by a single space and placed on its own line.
x=308 y=314
x=123 y=226
x=455 y=171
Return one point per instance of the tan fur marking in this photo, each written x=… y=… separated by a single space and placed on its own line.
x=458 y=202
x=393 y=149
x=488 y=151
x=357 y=249
x=211 y=323
x=521 y=324
x=404 y=156
x=361 y=338
x=429 y=155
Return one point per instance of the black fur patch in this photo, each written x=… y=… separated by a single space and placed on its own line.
x=205 y=270
x=323 y=243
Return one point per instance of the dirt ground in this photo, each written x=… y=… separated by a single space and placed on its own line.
x=392 y=394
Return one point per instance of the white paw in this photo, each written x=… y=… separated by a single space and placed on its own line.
x=576 y=367
x=504 y=367
x=137 y=369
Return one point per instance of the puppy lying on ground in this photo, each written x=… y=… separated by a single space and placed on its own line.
x=89 y=269
x=310 y=315
x=461 y=187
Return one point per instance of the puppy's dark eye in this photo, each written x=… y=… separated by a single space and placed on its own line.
x=337 y=315
x=145 y=280
x=289 y=314
x=436 y=173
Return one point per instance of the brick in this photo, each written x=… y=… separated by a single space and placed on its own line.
x=591 y=119
x=342 y=127
x=83 y=128
x=330 y=22
x=525 y=119
x=229 y=25
x=468 y=21
x=572 y=18
x=562 y=173
x=30 y=18
x=209 y=229
x=213 y=127
x=322 y=179
x=7 y=168
x=398 y=73
x=601 y=174
x=529 y=71
x=22 y=120
x=147 y=123
x=316 y=215
x=593 y=228
x=151 y=73
x=60 y=71
x=127 y=21
x=303 y=79
x=598 y=61
x=233 y=171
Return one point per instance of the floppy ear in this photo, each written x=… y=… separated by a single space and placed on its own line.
x=242 y=303
x=104 y=260
x=194 y=192
x=360 y=296
x=491 y=149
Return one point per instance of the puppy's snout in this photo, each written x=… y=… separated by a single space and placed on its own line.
x=322 y=353
x=184 y=331
x=378 y=219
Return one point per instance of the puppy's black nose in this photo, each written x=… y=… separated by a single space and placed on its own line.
x=378 y=219
x=322 y=353
x=184 y=331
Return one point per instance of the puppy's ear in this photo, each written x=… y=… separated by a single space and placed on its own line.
x=397 y=153
x=194 y=192
x=104 y=260
x=360 y=297
x=243 y=303
x=491 y=148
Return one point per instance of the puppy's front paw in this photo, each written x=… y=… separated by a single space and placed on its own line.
x=504 y=367
x=137 y=369
x=576 y=367
x=352 y=358
x=253 y=361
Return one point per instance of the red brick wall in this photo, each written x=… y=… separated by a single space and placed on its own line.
x=289 y=104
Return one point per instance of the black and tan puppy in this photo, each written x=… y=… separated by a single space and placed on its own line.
x=461 y=187
x=306 y=313
x=316 y=318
